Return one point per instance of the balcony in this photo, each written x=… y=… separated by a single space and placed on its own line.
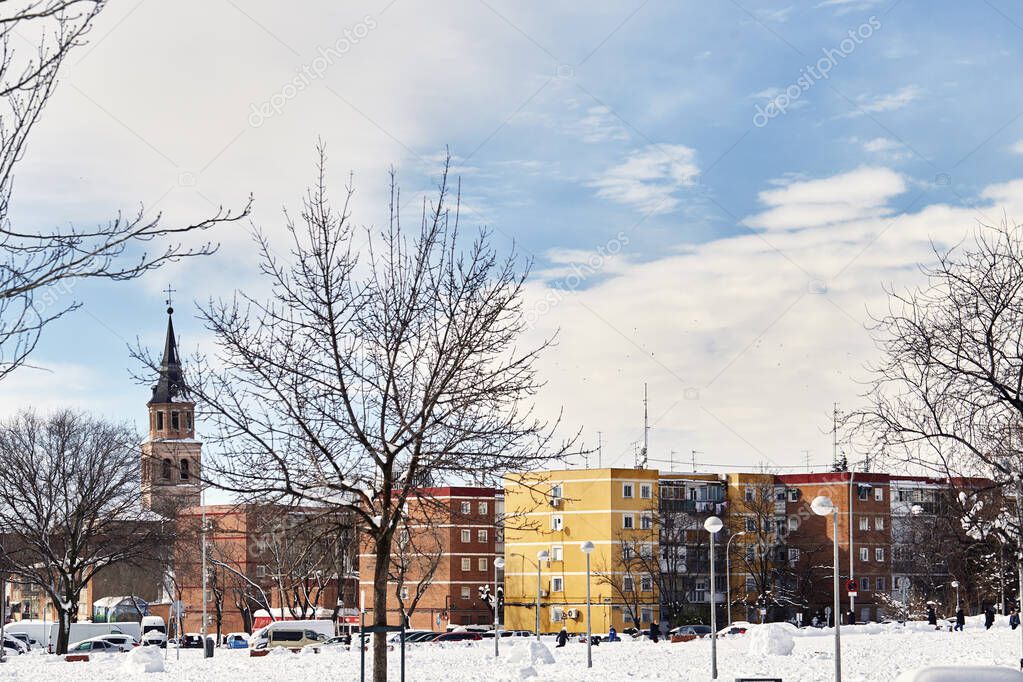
x=692 y=506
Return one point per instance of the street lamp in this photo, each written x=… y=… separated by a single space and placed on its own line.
x=498 y=565
x=587 y=549
x=713 y=525
x=955 y=584
x=728 y=575
x=823 y=506
x=542 y=555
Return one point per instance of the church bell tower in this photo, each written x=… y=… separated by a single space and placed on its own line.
x=171 y=454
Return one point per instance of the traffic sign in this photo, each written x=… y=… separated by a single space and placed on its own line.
x=852 y=586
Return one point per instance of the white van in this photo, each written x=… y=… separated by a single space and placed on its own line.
x=46 y=633
x=154 y=631
x=319 y=626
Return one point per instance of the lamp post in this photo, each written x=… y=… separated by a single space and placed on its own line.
x=587 y=549
x=823 y=506
x=498 y=565
x=541 y=556
x=728 y=575
x=713 y=525
x=955 y=584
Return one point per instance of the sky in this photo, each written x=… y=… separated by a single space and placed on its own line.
x=713 y=196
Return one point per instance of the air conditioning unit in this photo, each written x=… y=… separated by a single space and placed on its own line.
x=555 y=501
x=572 y=613
x=543 y=593
x=558 y=615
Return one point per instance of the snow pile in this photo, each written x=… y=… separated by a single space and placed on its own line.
x=980 y=673
x=143 y=659
x=530 y=653
x=772 y=639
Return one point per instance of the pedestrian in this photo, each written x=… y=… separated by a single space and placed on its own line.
x=654 y=632
x=814 y=621
x=664 y=630
x=1014 y=619
x=960 y=619
x=612 y=635
x=932 y=616
x=562 y=637
x=989 y=617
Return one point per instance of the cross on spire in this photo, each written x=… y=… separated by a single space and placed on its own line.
x=170 y=297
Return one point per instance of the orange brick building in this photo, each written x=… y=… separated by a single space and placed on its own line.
x=441 y=558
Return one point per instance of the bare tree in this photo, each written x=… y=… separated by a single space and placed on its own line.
x=418 y=555
x=70 y=504
x=38 y=269
x=630 y=572
x=359 y=380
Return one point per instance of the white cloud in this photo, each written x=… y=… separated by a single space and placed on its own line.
x=856 y=195
x=846 y=6
x=1017 y=147
x=890 y=102
x=887 y=148
x=650 y=178
x=745 y=341
x=600 y=125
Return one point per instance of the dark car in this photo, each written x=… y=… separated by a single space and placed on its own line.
x=457 y=637
x=191 y=642
x=695 y=630
x=422 y=637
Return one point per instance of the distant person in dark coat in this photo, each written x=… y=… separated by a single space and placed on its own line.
x=562 y=637
x=960 y=619
x=1014 y=620
x=989 y=617
x=654 y=632
x=932 y=617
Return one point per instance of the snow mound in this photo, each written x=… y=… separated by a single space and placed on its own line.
x=979 y=673
x=531 y=653
x=527 y=672
x=771 y=639
x=143 y=659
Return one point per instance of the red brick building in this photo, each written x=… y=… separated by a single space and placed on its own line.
x=441 y=558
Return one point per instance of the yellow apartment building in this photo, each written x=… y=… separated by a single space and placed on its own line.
x=556 y=511
x=756 y=516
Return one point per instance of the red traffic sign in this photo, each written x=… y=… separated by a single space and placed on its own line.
x=852 y=586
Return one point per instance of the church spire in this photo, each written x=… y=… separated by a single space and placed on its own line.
x=171 y=383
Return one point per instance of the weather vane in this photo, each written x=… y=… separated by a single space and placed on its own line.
x=169 y=293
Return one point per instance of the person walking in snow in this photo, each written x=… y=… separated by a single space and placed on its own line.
x=612 y=635
x=1014 y=619
x=562 y=637
x=654 y=632
x=664 y=630
x=960 y=619
x=989 y=617
x=932 y=617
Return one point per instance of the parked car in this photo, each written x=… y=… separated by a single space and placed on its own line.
x=126 y=642
x=237 y=640
x=15 y=645
x=291 y=639
x=24 y=639
x=191 y=640
x=457 y=637
x=738 y=627
x=154 y=631
x=96 y=645
x=697 y=630
x=396 y=637
x=424 y=636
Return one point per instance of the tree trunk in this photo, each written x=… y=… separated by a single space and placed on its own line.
x=63 y=627
x=380 y=571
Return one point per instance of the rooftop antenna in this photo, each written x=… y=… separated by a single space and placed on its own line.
x=646 y=433
x=671 y=460
x=600 y=463
x=694 y=453
x=834 y=437
x=806 y=458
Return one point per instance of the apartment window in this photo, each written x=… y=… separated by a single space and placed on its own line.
x=404 y=593
x=557 y=522
x=646 y=551
x=556 y=492
x=793 y=523
x=159 y=421
x=865 y=584
x=176 y=420
x=749 y=494
x=628 y=553
x=646 y=583
x=779 y=496
x=184 y=470
x=864 y=523
x=880 y=585
x=557 y=584
x=481 y=564
x=626 y=490
x=751 y=525
x=465 y=591
x=751 y=584
x=466 y=508
x=627 y=585
x=481 y=535
x=484 y=507
x=879 y=554
x=628 y=521
x=466 y=564
x=779 y=526
x=645 y=491
x=188 y=420
x=466 y=535
x=260 y=571
x=646 y=522
x=879 y=494
x=793 y=557
x=557 y=553
x=646 y=615
x=167 y=466
x=864 y=492
x=864 y=554
x=878 y=523
x=793 y=495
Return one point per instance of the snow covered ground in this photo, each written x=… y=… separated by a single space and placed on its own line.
x=870 y=652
